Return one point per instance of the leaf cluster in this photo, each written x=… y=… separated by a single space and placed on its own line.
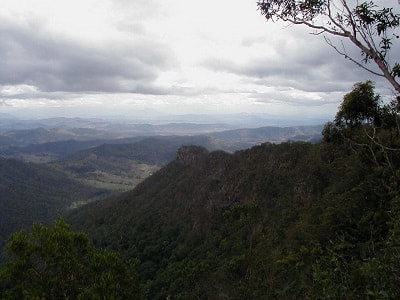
x=57 y=263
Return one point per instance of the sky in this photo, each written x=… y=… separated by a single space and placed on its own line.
x=170 y=57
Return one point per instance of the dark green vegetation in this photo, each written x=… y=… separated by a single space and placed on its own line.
x=288 y=221
x=57 y=263
x=120 y=164
x=32 y=193
x=120 y=167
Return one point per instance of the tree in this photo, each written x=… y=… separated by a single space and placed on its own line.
x=364 y=120
x=367 y=26
x=360 y=106
x=58 y=263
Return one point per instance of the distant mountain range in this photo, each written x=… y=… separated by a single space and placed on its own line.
x=245 y=138
x=43 y=144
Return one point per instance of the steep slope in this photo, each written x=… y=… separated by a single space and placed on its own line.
x=35 y=193
x=122 y=166
x=275 y=221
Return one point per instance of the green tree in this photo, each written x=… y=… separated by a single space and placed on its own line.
x=370 y=129
x=372 y=29
x=360 y=106
x=365 y=120
x=58 y=263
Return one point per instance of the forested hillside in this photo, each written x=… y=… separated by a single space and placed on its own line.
x=122 y=166
x=288 y=221
x=35 y=193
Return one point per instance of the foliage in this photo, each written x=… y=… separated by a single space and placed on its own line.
x=365 y=123
x=57 y=263
x=360 y=106
x=35 y=193
x=369 y=27
x=288 y=221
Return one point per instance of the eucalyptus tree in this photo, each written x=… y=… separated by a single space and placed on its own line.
x=372 y=28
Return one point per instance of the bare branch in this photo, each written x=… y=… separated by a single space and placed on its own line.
x=328 y=41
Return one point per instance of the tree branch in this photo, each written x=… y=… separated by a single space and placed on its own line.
x=328 y=41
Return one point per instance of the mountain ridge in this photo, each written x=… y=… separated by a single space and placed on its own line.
x=257 y=223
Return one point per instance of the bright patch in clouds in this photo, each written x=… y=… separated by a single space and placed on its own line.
x=11 y=90
x=124 y=57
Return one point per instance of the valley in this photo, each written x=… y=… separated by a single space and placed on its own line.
x=94 y=159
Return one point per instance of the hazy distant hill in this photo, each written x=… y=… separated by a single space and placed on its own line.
x=6 y=141
x=12 y=123
x=25 y=137
x=36 y=193
x=245 y=138
x=25 y=132
x=46 y=152
x=44 y=145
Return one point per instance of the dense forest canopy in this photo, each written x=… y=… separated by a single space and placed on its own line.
x=293 y=221
x=57 y=263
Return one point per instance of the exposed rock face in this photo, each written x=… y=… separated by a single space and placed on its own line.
x=190 y=155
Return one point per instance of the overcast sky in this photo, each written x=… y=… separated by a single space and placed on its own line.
x=128 y=57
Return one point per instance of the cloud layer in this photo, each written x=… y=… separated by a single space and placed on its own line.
x=31 y=56
x=172 y=56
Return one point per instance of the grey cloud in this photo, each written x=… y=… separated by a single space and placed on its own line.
x=312 y=66
x=39 y=95
x=297 y=100
x=251 y=41
x=308 y=73
x=30 y=55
